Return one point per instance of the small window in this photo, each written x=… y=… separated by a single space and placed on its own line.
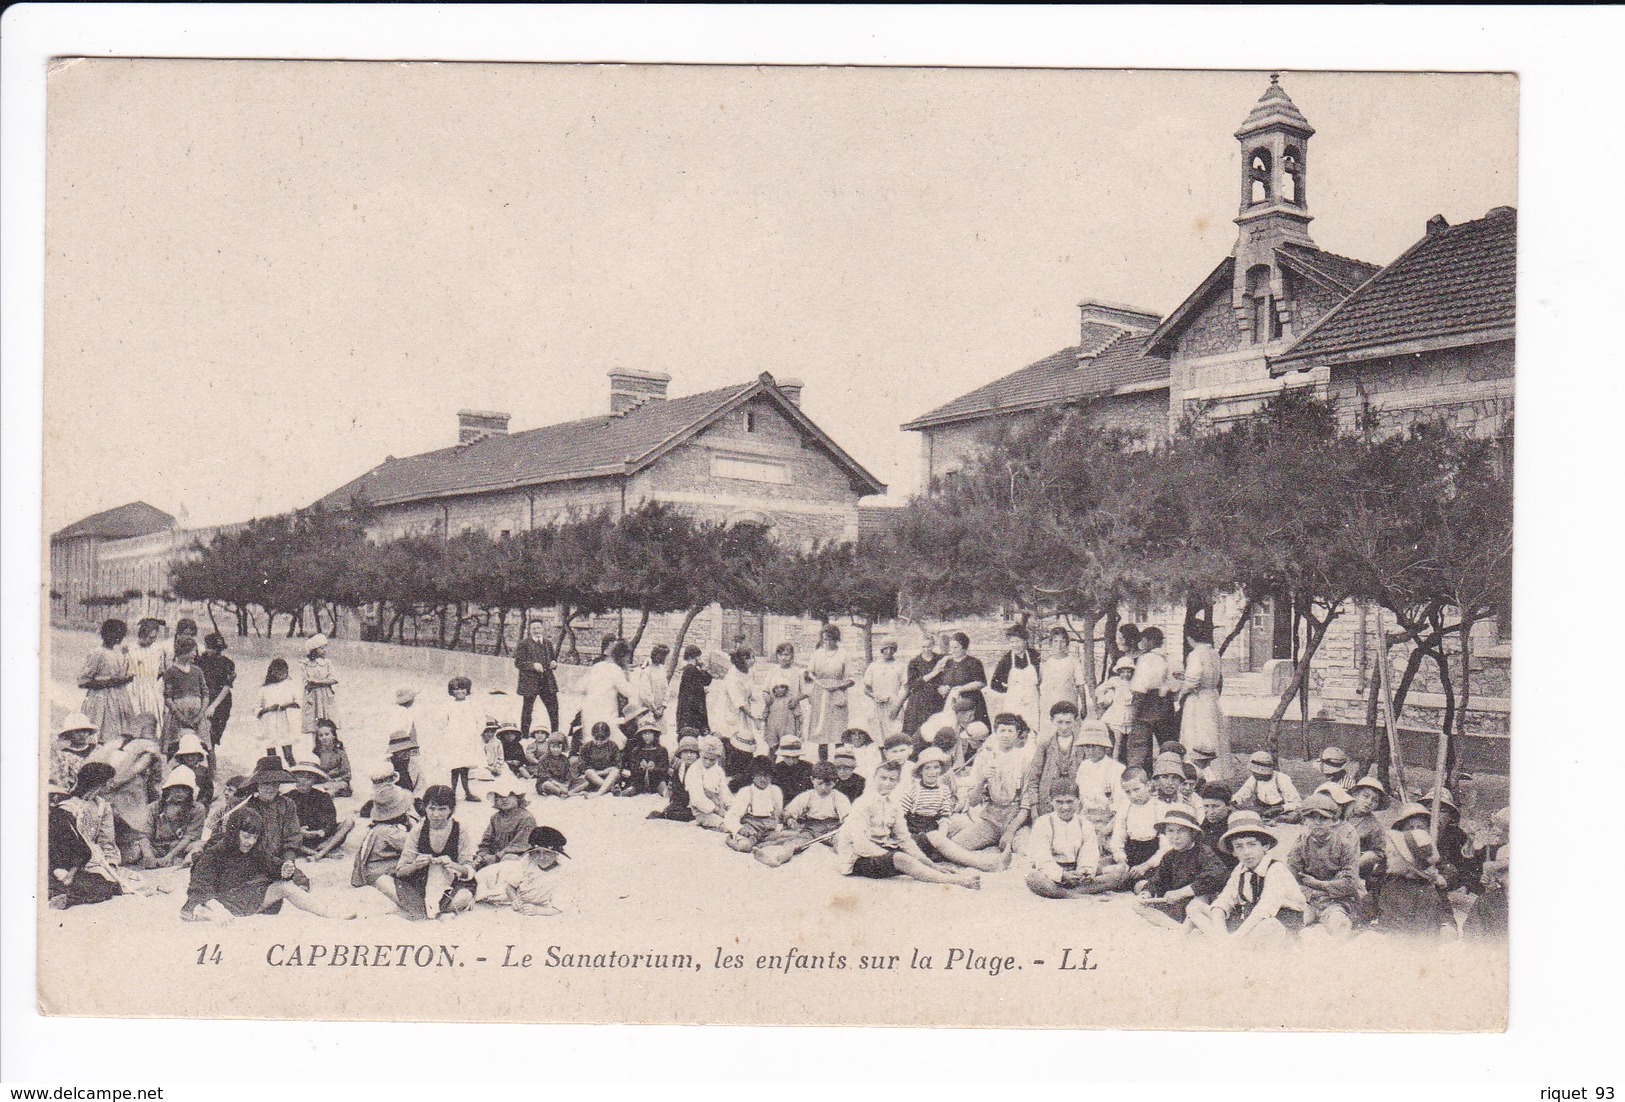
x=750 y=420
x=750 y=470
x=507 y=533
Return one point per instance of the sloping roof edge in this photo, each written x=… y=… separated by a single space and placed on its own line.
x=1291 y=355
x=1175 y=322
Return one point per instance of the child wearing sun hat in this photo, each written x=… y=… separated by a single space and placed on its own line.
x=1412 y=899
x=508 y=831
x=1267 y=791
x=1262 y=902
x=530 y=886
x=1326 y=861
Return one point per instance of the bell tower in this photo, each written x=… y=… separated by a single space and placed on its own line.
x=1274 y=211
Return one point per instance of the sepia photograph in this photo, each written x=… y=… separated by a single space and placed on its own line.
x=777 y=545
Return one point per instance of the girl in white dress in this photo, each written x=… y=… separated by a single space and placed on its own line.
x=281 y=700
x=604 y=686
x=148 y=660
x=1057 y=676
x=461 y=745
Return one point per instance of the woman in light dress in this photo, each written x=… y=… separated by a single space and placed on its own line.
x=1057 y=676
x=735 y=717
x=603 y=687
x=830 y=685
x=1201 y=721
x=148 y=660
x=106 y=681
x=1017 y=677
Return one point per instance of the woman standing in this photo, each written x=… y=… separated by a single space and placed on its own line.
x=604 y=686
x=964 y=676
x=830 y=683
x=148 y=660
x=1201 y=723
x=106 y=681
x=319 y=683
x=923 y=699
x=1017 y=676
x=737 y=717
x=186 y=693
x=1058 y=675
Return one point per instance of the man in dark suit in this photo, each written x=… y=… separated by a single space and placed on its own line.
x=536 y=661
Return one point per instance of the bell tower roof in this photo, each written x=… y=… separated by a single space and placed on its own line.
x=1275 y=109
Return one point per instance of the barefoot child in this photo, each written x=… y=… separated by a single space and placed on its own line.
x=232 y=878
x=757 y=809
x=1065 y=850
x=600 y=761
x=707 y=785
x=1326 y=862
x=278 y=711
x=875 y=843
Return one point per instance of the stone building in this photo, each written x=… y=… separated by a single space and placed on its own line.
x=741 y=453
x=1429 y=333
x=103 y=566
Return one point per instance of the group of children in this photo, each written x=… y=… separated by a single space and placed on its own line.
x=1191 y=850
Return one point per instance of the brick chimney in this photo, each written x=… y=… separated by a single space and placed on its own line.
x=630 y=388
x=477 y=424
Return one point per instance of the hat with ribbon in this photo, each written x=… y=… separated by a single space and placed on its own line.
x=404 y=739
x=268 y=771
x=315 y=642
x=310 y=768
x=1261 y=759
x=790 y=748
x=1246 y=824
x=1334 y=756
x=1179 y=816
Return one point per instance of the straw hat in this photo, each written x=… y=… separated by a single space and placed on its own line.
x=1094 y=732
x=1202 y=753
x=688 y=742
x=315 y=641
x=931 y=756
x=312 y=769
x=1334 y=756
x=403 y=697
x=844 y=754
x=1320 y=804
x=1169 y=765
x=1179 y=816
x=790 y=748
x=649 y=723
x=383 y=775
x=403 y=740
x=189 y=744
x=391 y=803
x=506 y=788
x=1445 y=799
x=1262 y=759
x=1244 y=824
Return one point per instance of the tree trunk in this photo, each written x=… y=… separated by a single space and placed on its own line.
x=1246 y=614
x=1089 y=702
x=1447 y=684
x=637 y=636
x=1459 y=738
x=242 y=622
x=1316 y=632
x=502 y=633
x=677 y=644
x=1380 y=757
x=868 y=626
x=213 y=623
x=1303 y=717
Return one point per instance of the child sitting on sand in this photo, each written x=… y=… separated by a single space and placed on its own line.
x=757 y=809
x=507 y=834
x=645 y=765
x=875 y=843
x=600 y=761
x=675 y=786
x=530 y=886
x=556 y=773
x=848 y=781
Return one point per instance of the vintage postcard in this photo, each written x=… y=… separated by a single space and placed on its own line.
x=778 y=545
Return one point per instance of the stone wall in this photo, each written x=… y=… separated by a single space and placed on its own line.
x=1473 y=385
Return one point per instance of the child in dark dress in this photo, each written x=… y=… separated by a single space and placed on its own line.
x=688 y=752
x=645 y=766
x=691 y=686
x=848 y=781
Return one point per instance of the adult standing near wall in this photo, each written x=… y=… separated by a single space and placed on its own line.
x=1017 y=676
x=1058 y=676
x=1201 y=721
x=830 y=685
x=536 y=661
x=885 y=683
x=603 y=687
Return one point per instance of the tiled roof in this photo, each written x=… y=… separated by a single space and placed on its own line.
x=595 y=447
x=1054 y=380
x=136 y=518
x=878 y=520
x=1457 y=280
x=1274 y=108
x=1341 y=271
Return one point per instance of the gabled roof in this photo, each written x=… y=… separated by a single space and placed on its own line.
x=614 y=445
x=1457 y=285
x=1338 y=274
x=135 y=518
x=1056 y=379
